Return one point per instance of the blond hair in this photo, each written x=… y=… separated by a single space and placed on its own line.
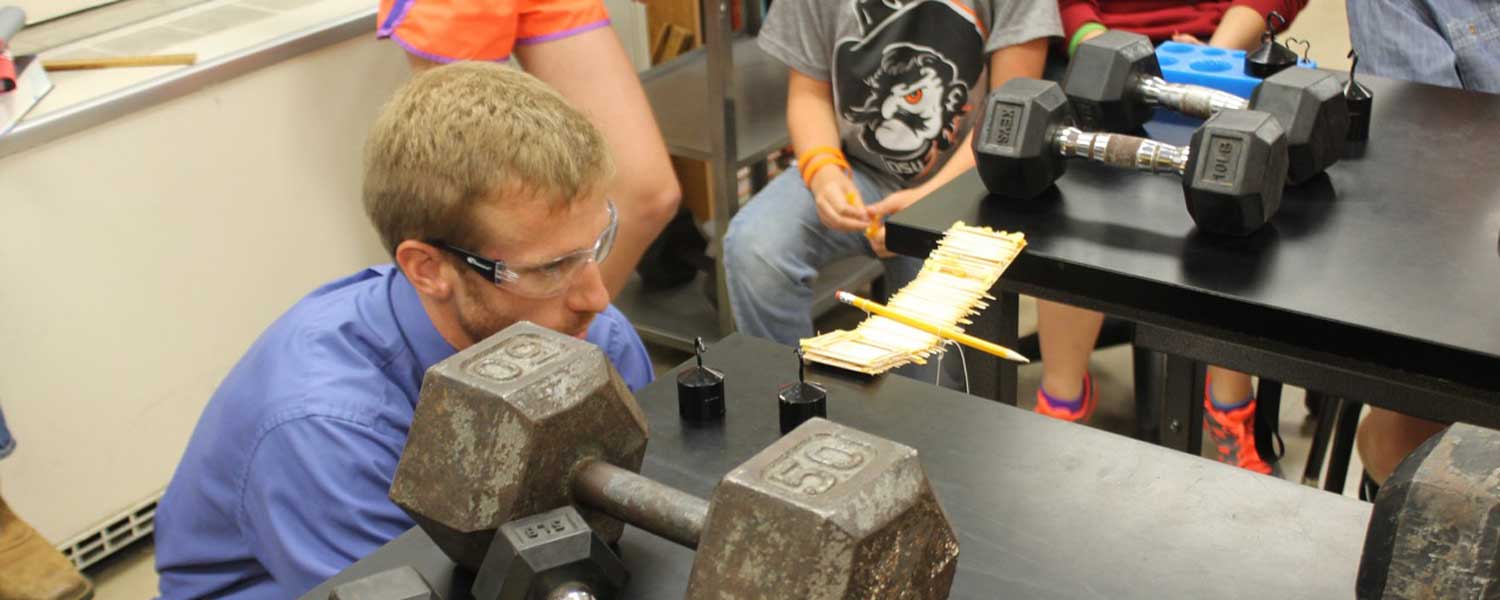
x=463 y=133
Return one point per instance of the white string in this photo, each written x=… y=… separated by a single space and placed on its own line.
x=936 y=380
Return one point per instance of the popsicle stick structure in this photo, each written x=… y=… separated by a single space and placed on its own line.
x=952 y=287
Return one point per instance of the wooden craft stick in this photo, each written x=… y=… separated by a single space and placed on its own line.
x=942 y=332
x=157 y=60
x=952 y=286
x=874 y=227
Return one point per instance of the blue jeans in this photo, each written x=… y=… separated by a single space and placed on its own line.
x=7 y=443
x=1452 y=43
x=775 y=247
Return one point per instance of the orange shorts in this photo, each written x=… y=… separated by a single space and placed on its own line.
x=448 y=30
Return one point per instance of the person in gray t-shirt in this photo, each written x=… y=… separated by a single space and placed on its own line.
x=879 y=106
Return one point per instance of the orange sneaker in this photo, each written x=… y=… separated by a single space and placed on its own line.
x=1233 y=432
x=1046 y=406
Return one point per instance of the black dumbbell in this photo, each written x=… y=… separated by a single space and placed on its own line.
x=1114 y=81
x=552 y=555
x=400 y=583
x=1233 y=170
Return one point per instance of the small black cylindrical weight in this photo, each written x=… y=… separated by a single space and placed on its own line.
x=1361 y=103
x=1359 y=116
x=1271 y=57
x=1268 y=62
x=700 y=395
x=800 y=402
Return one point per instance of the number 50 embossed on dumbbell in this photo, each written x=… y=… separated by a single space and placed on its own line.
x=530 y=420
x=817 y=464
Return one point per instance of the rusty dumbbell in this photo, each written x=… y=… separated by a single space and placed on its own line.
x=1435 y=529
x=530 y=420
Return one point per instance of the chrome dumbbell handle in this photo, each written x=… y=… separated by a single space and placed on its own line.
x=1192 y=100
x=571 y=591
x=1124 y=151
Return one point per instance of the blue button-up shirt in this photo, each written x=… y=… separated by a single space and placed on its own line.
x=1452 y=43
x=285 y=479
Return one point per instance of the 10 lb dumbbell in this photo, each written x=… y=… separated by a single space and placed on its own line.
x=1232 y=172
x=1114 y=82
x=550 y=556
x=530 y=420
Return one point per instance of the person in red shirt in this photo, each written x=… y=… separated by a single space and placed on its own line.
x=1068 y=333
x=1232 y=24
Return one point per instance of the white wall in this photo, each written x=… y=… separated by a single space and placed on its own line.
x=41 y=10
x=629 y=20
x=139 y=259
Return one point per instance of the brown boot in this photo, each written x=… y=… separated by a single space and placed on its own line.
x=31 y=569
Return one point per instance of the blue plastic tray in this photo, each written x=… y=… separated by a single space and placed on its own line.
x=1216 y=68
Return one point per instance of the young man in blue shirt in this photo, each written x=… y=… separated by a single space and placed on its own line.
x=488 y=190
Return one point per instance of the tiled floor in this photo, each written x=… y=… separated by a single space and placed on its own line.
x=130 y=576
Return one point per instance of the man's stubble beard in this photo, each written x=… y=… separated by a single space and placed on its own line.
x=479 y=320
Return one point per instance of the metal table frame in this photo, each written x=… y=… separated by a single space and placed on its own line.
x=1430 y=379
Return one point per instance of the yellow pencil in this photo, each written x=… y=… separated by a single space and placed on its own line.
x=874 y=227
x=937 y=330
x=119 y=61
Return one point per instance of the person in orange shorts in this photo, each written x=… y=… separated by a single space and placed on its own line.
x=569 y=45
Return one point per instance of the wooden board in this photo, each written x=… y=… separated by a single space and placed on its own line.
x=685 y=14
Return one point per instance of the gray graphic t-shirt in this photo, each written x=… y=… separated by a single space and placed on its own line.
x=906 y=74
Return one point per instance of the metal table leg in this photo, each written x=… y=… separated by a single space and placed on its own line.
x=1343 y=445
x=990 y=377
x=1182 y=405
x=1009 y=310
x=1267 y=419
x=1147 y=367
x=724 y=177
x=1327 y=416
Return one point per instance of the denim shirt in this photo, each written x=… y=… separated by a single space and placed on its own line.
x=1452 y=43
